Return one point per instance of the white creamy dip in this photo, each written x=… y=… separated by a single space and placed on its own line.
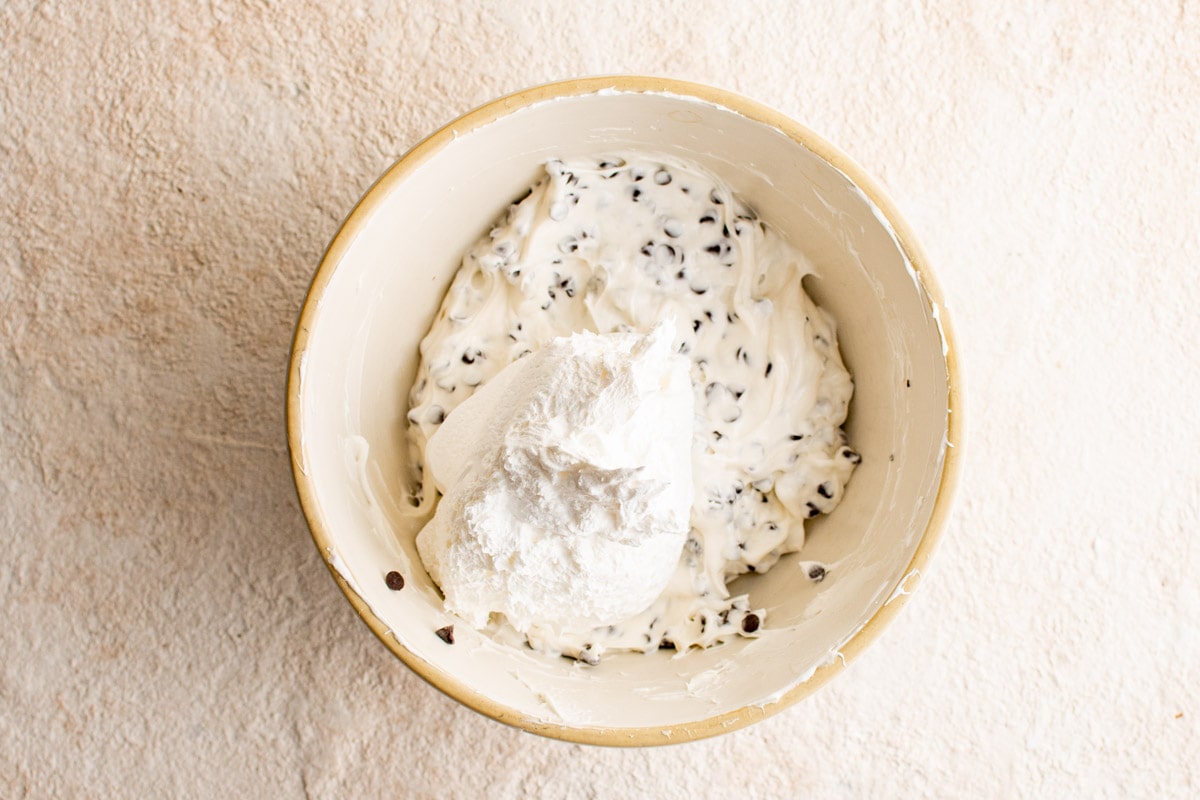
x=619 y=245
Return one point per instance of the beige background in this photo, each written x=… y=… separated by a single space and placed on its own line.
x=169 y=176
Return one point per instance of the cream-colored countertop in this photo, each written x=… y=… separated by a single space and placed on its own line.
x=171 y=175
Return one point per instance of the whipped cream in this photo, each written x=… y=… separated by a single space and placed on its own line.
x=617 y=245
x=567 y=486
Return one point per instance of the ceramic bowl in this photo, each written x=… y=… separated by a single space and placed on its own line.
x=375 y=295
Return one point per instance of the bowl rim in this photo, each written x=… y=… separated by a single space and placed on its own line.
x=490 y=112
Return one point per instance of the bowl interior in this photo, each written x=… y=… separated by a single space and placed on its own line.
x=376 y=296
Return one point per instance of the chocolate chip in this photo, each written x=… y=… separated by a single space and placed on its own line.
x=446 y=634
x=813 y=510
x=750 y=623
x=770 y=366
x=695 y=322
x=666 y=644
x=824 y=490
x=394 y=581
x=635 y=194
x=708 y=219
x=907 y=383
x=816 y=573
x=795 y=437
x=851 y=456
x=716 y=198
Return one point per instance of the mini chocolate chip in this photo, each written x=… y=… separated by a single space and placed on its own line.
x=795 y=437
x=750 y=623
x=716 y=198
x=708 y=219
x=635 y=194
x=467 y=358
x=770 y=366
x=813 y=510
x=695 y=325
x=446 y=634
x=851 y=456
x=394 y=581
x=907 y=383
x=666 y=644
x=824 y=490
x=816 y=573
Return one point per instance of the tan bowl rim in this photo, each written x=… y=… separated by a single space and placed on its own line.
x=488 y=113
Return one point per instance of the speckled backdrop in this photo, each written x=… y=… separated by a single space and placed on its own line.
x=169 y=176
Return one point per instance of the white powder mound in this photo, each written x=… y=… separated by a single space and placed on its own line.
x=567 y=484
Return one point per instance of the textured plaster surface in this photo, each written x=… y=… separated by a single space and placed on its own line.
x=169 y=176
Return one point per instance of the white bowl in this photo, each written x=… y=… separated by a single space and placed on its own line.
x=375 y=294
